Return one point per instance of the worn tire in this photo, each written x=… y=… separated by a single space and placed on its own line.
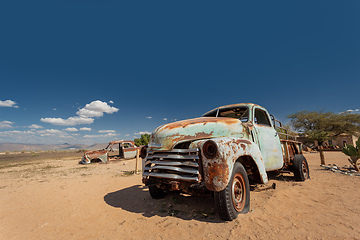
x=300 y=168
x=235 y=198
x=156 y=193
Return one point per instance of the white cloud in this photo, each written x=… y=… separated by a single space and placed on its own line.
x=111 y=102
x=127 y=135
x=106 y=131
x=34 y=126
x=96 y=109
x=148 y=117
x=6 y=124
x=50 y=131
x=352 y=110
x=8 y=103
x=17 y=134
x=92 y=136
x=101 y=135
x=140 y=133
x=165 y=119
x=111 y=134
x=85 y=129
x=71 y=129
x=85 y=115
x=54 y=109
x=71 y=121
x=43 y=136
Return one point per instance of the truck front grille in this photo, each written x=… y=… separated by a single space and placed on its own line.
x=177 y=164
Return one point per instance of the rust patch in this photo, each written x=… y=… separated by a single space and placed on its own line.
x=200 y=135
x=131 y=149
x=200 y=120
x=96 y=153
x=121 y=141
x=238 y=141
x=217 y=175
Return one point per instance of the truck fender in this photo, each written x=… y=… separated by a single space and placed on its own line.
x=218 y=164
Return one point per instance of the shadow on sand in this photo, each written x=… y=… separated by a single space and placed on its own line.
x=137 y=199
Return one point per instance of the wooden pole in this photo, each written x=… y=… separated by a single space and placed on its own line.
x=137 y=160
x=322 y=157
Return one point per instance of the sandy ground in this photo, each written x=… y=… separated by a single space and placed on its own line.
x=60 y=199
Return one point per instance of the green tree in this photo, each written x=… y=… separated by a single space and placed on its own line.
x=143 y=140
x=322 y=126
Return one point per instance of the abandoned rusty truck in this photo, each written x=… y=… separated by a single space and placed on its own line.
x=221 y=152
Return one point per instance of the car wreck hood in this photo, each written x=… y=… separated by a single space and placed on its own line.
x=93 y=154
x=167 y=136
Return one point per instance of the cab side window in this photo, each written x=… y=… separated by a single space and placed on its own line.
x=127 y=145
x=261 y=118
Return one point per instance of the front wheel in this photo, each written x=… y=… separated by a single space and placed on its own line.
x=235 y=198
x=156 y=193
x=300 y=168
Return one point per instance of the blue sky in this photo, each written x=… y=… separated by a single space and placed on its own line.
x=94 y=71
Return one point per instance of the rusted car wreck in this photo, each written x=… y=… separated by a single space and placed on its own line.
x=220 y=152
x=120 y=149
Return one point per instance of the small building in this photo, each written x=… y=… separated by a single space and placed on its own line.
x=337 y=142
x=342 y=140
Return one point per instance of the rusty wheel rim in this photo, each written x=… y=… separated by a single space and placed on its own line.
x=238 y=192
x=305 y=170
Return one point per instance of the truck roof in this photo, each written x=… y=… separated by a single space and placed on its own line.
x=249 y=105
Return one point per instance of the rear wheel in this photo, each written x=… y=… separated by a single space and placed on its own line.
x=235 y=198
x=156 y=193
x=300 y=168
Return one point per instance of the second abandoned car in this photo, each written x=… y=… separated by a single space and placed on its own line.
x=220 y=152
x=115 y=150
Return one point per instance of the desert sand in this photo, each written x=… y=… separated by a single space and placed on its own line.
x=60 y=199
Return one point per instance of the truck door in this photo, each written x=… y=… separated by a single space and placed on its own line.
x=268 y=140
x=129 y=150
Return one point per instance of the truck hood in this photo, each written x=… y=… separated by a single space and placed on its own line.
x=167 y=136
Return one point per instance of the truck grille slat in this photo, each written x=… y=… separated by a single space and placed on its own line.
x=174 y=163
x=171 y=176
x=191 y=150
x=172 y=156
x=177 y=169
x=179 y=164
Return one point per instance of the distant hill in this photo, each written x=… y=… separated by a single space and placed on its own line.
x=44 y=147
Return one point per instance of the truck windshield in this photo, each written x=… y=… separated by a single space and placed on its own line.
x=240 y=113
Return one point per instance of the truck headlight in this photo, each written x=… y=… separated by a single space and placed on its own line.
x=210 y=149
x=143 y=152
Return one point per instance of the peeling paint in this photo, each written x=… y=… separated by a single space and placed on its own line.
x=218 y=170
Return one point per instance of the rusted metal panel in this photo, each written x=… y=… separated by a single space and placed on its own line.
x=217 y=171
x=270 y=147
x=167 y=136
x=130 y=152
x=97 y=154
